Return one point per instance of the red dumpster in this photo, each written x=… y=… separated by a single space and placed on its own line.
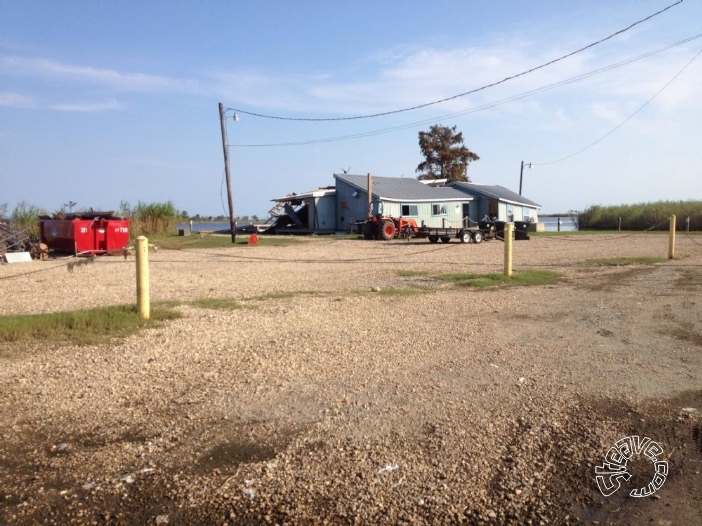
x=85 y=233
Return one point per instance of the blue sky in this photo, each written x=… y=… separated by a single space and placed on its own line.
x=102 y=102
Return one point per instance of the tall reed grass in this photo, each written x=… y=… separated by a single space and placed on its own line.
x=26 y=217
x=642 y=216
x=151 y=219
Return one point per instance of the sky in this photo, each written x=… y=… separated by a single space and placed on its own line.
x=109 y=102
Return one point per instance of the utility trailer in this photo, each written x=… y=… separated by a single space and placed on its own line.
x=465 y=234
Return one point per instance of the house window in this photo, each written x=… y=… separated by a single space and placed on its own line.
x=409 y=210
x=438 y=209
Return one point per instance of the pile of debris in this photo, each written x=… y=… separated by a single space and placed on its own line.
x=16 y=239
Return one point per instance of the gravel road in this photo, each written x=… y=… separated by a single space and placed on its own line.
x=320 y=401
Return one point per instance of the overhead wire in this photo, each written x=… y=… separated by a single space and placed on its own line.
x=476 y=109
x=610 y=132
x=469 y=92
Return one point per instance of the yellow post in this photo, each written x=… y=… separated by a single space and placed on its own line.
x=671 y=239
x=142 y=261
x=509 y=227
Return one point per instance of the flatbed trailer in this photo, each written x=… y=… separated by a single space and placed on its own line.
x=464 y=234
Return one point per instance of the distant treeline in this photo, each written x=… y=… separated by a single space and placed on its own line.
x=642 y=216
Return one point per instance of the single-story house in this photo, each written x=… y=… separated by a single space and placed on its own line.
x=432 y=203
x=399 y=197
x=499 y=202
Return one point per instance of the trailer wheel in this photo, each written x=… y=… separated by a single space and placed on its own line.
x=367 y=230
x=387 y=230
x=433 y=239
x=477 y=236
x=445 y=239
x=464 y=236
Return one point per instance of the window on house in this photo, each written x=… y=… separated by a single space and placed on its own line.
x=409 y=210
x=438 y=209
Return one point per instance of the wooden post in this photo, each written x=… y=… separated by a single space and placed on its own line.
x=671 y=239
x=620 y=223
x=509 y=227
x=142 y=262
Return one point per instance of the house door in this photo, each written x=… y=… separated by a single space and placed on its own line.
x=493 y=209
x=466 y=214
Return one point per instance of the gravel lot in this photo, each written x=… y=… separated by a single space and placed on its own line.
x=423 y=403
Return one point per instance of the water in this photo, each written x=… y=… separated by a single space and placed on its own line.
x=568 y=224
x=208 y=226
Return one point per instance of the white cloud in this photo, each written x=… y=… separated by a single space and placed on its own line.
x=15 y=100
x=45 y=68
x=87 y=106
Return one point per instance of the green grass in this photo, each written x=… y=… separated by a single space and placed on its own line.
x=82 y=327
x=596 y=233
x=176 y=242
x=615 y=262
x=282 y=295
x=404 y=292
x=519 y=278
x=217 y=304
x=411 y=273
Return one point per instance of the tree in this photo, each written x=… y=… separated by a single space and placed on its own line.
x=445 y=155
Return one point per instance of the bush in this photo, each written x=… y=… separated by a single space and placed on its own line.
x=642 y=216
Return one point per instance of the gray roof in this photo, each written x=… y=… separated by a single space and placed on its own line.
x=403 y=189
x=495 y=192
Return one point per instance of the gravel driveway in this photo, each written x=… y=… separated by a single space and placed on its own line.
x=321 y=401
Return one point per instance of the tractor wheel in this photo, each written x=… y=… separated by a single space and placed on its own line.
x=387 y=230
x=464 y=236
x=445 y=239
x=477 y=236
x=367 y=230
x=433 y=239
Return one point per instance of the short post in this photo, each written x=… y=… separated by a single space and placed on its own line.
x=687 y=227
x=620 y=223
x=671 y=239
x=142 y=261
x=559 y=224
x=509 y=227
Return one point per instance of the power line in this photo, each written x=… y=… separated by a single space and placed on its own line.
x=477 y=108
x=610 y=132
x=382 y=114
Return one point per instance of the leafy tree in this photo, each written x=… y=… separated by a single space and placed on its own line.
x=446 y=157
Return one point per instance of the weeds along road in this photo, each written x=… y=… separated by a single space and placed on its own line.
x=311 y=398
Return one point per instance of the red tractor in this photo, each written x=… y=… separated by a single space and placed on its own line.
x=379 y=227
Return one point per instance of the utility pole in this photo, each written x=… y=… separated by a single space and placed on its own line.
x=225 y=148
x=521 y=173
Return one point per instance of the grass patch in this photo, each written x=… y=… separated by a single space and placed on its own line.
x=520 y=278
x=403 y=292
x=83 y=327
x=176 y=242
x=217 y=304
x=616 y=262
x=594 y=233
x=282 y=295
x=411 y=273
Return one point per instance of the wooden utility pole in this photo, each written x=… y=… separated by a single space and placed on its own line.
x=225 y=147
x=370 y=196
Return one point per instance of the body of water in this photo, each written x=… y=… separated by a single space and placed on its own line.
x=568 y=224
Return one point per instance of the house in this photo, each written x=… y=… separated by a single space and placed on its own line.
x=400 y=197
x=431 y=203
x=499 y=202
